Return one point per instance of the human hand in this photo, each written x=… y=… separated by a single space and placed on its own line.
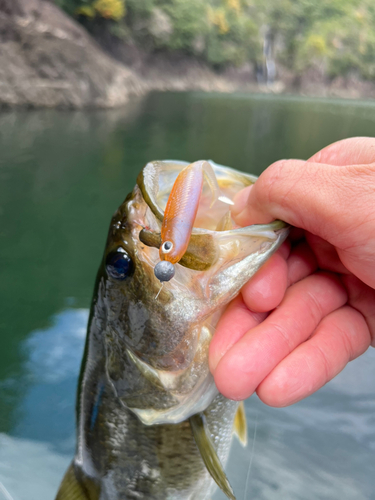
x=326 y=316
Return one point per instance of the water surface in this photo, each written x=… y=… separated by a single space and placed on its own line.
x=62 y=175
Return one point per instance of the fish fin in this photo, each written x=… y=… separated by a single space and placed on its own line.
x=74 y=488
x=240 y=424
x=208 y=453
x=225 y=223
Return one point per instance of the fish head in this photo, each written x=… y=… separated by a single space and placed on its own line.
x=156 y=336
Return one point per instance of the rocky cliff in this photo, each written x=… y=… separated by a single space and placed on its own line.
x=46 y=59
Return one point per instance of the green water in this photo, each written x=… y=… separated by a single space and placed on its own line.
x=62 y=175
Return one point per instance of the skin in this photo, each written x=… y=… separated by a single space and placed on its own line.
x=310 y=309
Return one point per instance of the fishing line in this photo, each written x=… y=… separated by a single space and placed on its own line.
x=157 y=295
x=252 y=454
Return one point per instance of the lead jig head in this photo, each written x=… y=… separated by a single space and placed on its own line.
x=164 y=270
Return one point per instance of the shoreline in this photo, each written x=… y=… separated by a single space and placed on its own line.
x=50 y=61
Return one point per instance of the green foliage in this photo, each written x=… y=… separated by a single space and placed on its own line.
x=335 y=36
x=107 y=9
x=188 y=21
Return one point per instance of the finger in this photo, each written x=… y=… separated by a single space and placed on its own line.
x=341 y=336
x=352 y=151
x=238 y=319
x=329 y=201
x=301 y=263
x=256 y=354
x=240 y=201
x=285 y=249
x=362 y=298
x=326 y=254
x=266 y=289
x=358 y=260
x=234 y=323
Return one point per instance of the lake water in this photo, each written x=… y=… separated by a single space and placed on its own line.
x=62 y=175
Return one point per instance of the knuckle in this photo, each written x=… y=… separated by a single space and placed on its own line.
x=282 y=333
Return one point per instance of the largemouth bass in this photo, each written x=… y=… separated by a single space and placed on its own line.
x=150 y=421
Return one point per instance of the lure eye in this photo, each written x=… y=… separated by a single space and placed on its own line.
x=166 y=246
x=118 y=264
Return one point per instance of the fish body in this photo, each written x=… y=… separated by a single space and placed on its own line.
x=144 y=378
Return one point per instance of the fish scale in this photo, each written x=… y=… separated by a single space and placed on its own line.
x=167 y=466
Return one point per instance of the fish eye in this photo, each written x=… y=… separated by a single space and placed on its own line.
x=167 y=246
x=118 y=264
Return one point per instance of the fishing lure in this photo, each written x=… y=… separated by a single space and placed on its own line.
x=180 y=213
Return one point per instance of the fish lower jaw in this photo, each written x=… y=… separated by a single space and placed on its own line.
x=198 y=400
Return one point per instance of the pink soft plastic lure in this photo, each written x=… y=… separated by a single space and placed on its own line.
x=180 y=213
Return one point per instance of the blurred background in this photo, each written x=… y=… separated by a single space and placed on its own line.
x=92 y=90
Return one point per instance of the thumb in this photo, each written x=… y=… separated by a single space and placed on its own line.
x=323 y=199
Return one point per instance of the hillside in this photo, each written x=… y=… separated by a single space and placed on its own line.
x=84 y=58
x=49 y=60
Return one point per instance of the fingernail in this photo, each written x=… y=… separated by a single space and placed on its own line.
x=213 y=361
x=214 y=356
x=240 y=201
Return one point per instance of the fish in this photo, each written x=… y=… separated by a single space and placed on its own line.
x=151 y=423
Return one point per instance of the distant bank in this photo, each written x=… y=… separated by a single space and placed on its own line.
x=49 y=60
